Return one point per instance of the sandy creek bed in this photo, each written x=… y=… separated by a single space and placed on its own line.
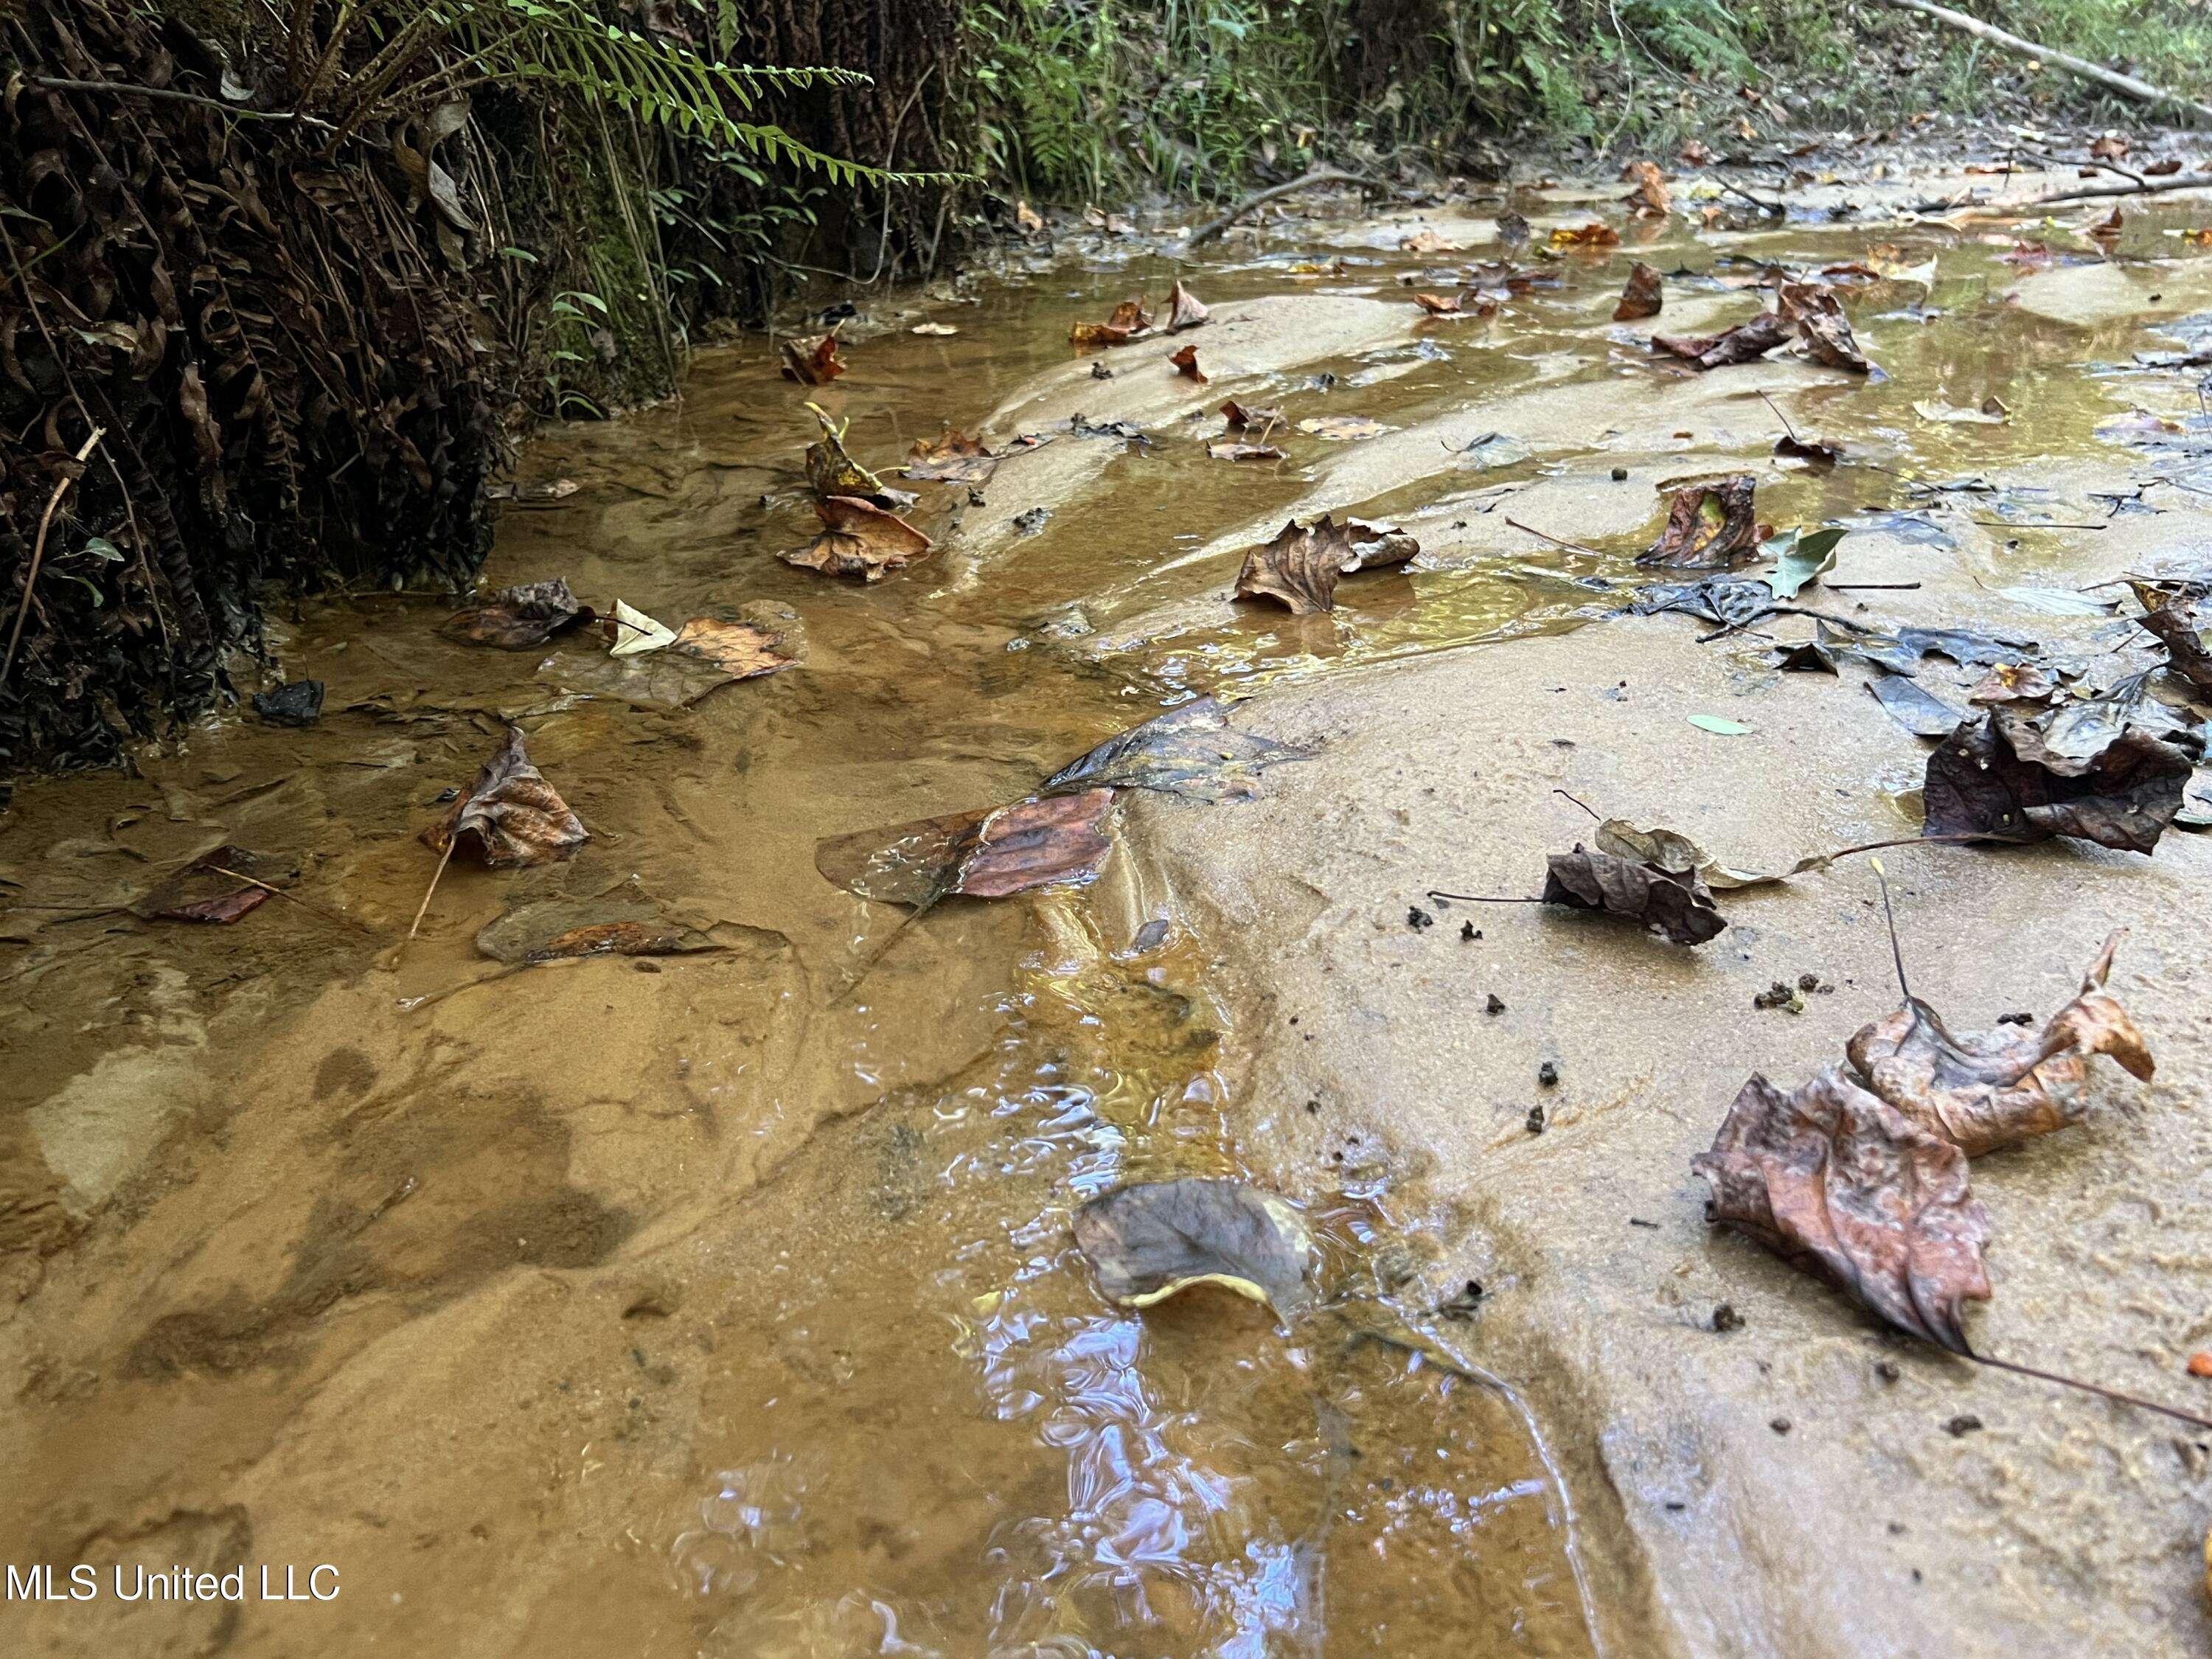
x=725 y=1305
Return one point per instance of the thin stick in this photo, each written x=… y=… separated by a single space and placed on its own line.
x=1585 y=806
x=433 y=887
x=2096 y=1388
x=1779 y=415
x=1554 y=540
x=127 y=89
x=2032 y=524
x=1868 y=587
x=2127 y=85
x=1206 y=232
x=1896 y=953
x=1479 y=898
x=38 y=550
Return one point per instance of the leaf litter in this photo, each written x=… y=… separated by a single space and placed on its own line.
x=1301 y=567
x=1153 y=1240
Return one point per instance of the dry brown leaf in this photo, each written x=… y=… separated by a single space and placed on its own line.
x=860 y=540
x=2170 y=617
x=739 y=649
x=1302 y=566
x=1438 y=305
x=1745 y=343
x=1834 y=1180
x=1186 y=364
x=1027 y=219
x=1184 y=310
x=1130 y=319
x=1711 y=525
x=1229 y=452
x=1694 y=154
x=1984 y=1090
x=1676 y=904
x=1244 y=416
x=1426 y=241
x=811 y=359
x=2108 y=147
x=511 y=815
x=1822 y=328
x=2002 y=777
x=2015 y=682
x=952 y=457
x=1643 y=295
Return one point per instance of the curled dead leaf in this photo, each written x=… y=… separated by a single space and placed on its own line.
x=511 y=816
x=1192 y=750
x=811 y=359
x=1184 y=310
x=1130 y=319
x=830 y=470
x=2170 y=618
x=1185 y=363
x=1149 y=1241
x=860 y=540
x=1643 y=295
x=1438 y=305
x=1834 y=1180
x=1302 y=566
x=1427 y=241
x=1244 y=416
x=1822 y=328
x=2000 y=777
x=1650 y=199
x=952 y=457
x=1747 y=343
x=1712 y=525
x=1984 y=1090
x=1673 y=903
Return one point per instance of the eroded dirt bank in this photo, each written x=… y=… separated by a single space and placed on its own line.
x=726 y=1304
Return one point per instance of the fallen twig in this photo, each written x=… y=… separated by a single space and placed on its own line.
x=1211 y=228
x=2127 y=85
x=1555 y=540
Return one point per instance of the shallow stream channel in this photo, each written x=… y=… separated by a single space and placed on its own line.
x=724 y=1300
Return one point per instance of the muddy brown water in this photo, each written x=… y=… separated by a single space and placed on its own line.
x=726 y=1304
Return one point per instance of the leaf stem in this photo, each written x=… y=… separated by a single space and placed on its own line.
x=2096 y=1388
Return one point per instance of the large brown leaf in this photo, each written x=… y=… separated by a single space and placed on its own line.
x=1039 y=842
x=1643 y=296
x=1836 y=1181
x=859 y=538
x=1302 y=566
x=1711 y=525
x=510 y=816
x=1821 y=325
x=1184 y=310
x=520 y=618
x=1673 y=903
x=1130 y=319
x=1747 y=343
x=1998 y=777
x=2171 y=619
x=953 y=457
x=1984 y=1090
x=1149 y=1241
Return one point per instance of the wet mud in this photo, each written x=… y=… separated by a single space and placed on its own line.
x=725 y=1302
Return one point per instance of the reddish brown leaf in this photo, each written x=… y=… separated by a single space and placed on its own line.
x=1643 y=295
x=811 y=359
x=1301 y=567
x=1745 y=343
x=1676 y=904
x=1185 y=363
x=739 y=649
x=1711 y=525
x=1438 y=305
x=1039 y=842
x=860 y=540
x=1242 y=417
x=520 y=618
x=1184 y=310
x=1833 y=1180
x=215 y=887
x=1984 y=1090
x=1591 y=235
x=2171 y=618
x=1999 y=777
x=2015 y=682
x=510 y=816
x=1809 y=450
x=1693 y=154
x=1130 y=319
x=2105 y=233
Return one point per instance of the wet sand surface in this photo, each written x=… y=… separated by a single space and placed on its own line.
x=726 y=1304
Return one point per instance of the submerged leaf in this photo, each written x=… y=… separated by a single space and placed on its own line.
x=547 y=930
x=1344 y=427
x=511 y=816
x=1984 y=1090
x=1038 y=842
x=1591 y=235
x=1149 y=1241
x=952 y=457
x=860 y=540
x=220 y=886
x=1221 y=451
x=1192 y=750
x=1990 y=413
x=1832 y=1179
x=520 y=618
x=1747 y=343
x=1913 y=707
x=1301 y=567
x=1130 y=319
x=1673 y=903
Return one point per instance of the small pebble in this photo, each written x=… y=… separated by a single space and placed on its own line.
x=1495 y=1005
x=1886 y=1370
x=1100 y=372
x=1621 y=475
x=1780 y=1426
x=1536 y=1120
x=1467 y=930
x=1549 y=1075
x=1727 y=1319
x=1417 y=918
x=2200 y=1363
x=1808 y=982
x=1964 y=1423
x=2015 y=1019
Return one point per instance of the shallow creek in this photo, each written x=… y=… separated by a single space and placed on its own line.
x=726 y=1304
